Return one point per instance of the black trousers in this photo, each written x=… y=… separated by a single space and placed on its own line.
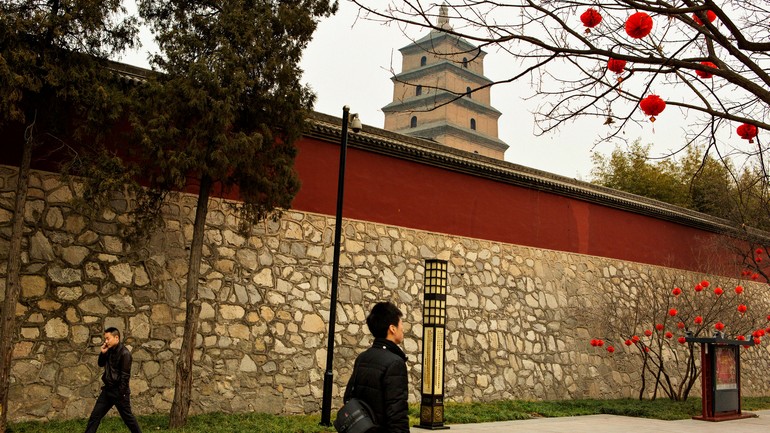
x=107 y=399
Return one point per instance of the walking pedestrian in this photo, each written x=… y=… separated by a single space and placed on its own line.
x=115 y=357
x=379 y=374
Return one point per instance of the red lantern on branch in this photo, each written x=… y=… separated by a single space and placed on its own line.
x=719 y=326
x=652 y=105
x=698 y=320
x=677 y=291
x=590 y=18
x=616 y=65
x=610 y=349
x=711 y=16
x=638 y=25
x=747 y=132
x=742 y=308
x=739 y=289
x=672 y=312
x=704 y=74
x=681 y=340
x=718 y=291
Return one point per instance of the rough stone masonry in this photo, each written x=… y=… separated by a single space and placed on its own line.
x=519 y=318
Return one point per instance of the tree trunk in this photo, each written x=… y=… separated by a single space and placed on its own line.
x=183 y=383
x=13 y=285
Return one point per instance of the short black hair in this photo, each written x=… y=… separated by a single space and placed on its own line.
x=383 y=315
x=112 y=330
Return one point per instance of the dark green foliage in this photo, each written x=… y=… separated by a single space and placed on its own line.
x=697 y=181
x=230 y=71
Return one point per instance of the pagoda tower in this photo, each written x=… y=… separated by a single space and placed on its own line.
x=440 y=94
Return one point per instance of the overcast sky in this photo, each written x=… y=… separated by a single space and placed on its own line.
x=349 y=62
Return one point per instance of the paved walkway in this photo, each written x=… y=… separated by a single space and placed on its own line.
x=615 y=424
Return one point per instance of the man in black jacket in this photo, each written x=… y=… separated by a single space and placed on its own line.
x=379 y=374
x=116 y=360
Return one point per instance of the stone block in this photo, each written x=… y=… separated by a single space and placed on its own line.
x=32 y=286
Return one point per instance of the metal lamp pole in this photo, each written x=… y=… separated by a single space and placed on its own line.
x=326 y=404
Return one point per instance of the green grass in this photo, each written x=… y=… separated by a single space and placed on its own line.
x=456 y=413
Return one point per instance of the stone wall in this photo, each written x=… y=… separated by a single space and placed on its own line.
x=519 y=318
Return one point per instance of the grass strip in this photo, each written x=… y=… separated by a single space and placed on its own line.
x=456 y=413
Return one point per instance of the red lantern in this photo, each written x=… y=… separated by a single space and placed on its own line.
x=677 y=291
x=747 y=132
x=698 y=320
x=740 y=338
x=719 y=326
x=652 y=105
x=758 y=251
x=680 y=325
x=739 y=289
x=718 y=291
x=681 y=340
x=705 y=74
x=628 y=342
x=711 y=16
x=635 y=338
x=616 y=65
x=590 y=18
x=669 y=334
x=594 y=342
x=659 y=327
x=698 y=287
x=704 y=283
x=610 y=349
x=647 y=332
x=672 y=312
x=638 y=25
x=742 y=308
x=600 y=343
x=757 y=341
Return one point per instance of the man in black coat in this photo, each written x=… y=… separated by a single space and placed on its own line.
x=116 y=360
x=379 y=375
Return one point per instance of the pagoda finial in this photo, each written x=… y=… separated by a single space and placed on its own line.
x=443 y=17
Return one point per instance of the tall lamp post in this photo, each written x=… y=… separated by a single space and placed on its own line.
x=326 y=404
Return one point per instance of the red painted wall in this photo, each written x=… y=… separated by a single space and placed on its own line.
x=392 y=191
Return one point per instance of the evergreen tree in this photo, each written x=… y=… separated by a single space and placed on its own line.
x=224 y=112
x=53 y=87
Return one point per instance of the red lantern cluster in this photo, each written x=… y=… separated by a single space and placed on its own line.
x=597 y=343
x=747 y=132
x=590 y=18
x=638 y=25
x=652 y=105
x=705 y=74
x=711 y=16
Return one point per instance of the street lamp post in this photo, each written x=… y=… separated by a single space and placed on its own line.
x=326 y=404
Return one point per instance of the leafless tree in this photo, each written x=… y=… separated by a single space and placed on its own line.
x=566 y=63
